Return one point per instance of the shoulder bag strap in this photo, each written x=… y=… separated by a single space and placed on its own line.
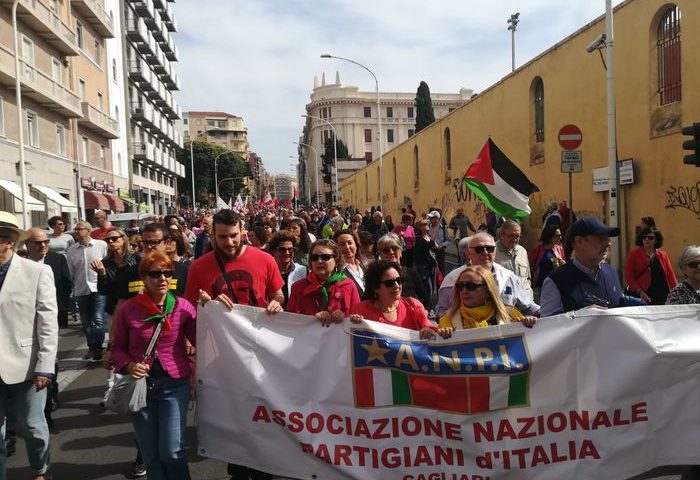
x=154 y=339
x=226 y=276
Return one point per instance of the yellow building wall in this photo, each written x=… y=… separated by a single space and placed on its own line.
x=574 y=92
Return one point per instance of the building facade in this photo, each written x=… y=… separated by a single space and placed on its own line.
x=66 y=118
x=149 y=56
x=220 y=128
x=353 y=114
x=283 y=186
x=656 y=95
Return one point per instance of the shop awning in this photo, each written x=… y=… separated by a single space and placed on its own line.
x=66 y=205
x=116 y=205
x=95 y=200
x=33 y=205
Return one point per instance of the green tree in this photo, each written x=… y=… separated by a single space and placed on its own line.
x=327 y=161
x=424 y=107
x=228 y=165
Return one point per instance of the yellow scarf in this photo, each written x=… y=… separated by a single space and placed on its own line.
x=476 y=317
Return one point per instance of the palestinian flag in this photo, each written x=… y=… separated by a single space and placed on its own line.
x=499 y=183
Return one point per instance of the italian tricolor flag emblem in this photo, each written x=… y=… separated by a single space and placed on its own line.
x=499 y=183
x=467 y=378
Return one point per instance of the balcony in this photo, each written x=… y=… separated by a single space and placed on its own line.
x=166 y=13
x=99 y=122
x=144 y=8
x=138 y=70
x=143 y=151
x=96 y=16
x=136 y=29
x=46 y=23
x=39 y=86
x=171 y=24
x=159 y=63
x=143 y=113
x=159 y=4
x=161 y=32
x=172 y=82
x=149 y=47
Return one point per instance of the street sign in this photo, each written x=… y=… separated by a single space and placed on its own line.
x=626 y=171
x=601 y=180
x=571 y=162
x=570 y=137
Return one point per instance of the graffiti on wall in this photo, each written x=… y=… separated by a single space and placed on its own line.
x=684 y=197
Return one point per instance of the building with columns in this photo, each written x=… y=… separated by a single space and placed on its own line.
x=353 y=114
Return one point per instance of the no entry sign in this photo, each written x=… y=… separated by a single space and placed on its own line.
x=570 y=137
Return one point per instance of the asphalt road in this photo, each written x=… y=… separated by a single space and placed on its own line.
x=87 y=444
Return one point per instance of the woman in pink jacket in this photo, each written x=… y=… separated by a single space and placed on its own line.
x=648 y=271
x=160 y=426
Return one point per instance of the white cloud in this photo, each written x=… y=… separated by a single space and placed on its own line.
x=257 y=59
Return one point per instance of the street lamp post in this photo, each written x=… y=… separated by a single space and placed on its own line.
x=315 y=168
x=512 y=26
x=216 y=176
x=379 y=116
x=335 y=154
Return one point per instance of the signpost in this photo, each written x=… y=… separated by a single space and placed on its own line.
x=570 y=138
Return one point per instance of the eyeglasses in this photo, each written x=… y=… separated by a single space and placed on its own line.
x=649 y=237
x=112 y=239
x=77 y=229
x=386 y=250
x=480 y=249
x=468 y=286
x=390 y=282
x=158 y=273
x=286 y=250
x=40 y=242
x=693 y=265
x=324 y=257
x=151 y=243
x=134 y=245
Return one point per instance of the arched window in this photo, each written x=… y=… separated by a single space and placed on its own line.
x=448 y=150
x=393 y=161
x=539 y=110
x=416 y=167
x=668 y=46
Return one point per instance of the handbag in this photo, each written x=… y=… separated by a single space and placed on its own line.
x=628 y=291
x=129 y=394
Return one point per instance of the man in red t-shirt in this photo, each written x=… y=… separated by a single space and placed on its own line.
x=253 y=276
x=103 y=225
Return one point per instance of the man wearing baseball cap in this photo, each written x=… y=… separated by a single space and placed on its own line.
x=28 y=345
x=586 y=280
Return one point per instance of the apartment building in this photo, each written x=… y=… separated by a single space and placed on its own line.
x=220 y=128
x=65 y=120
x=283 y=186
x=353 y=114
x=149 y=55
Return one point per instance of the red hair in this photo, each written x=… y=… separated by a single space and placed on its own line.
x=154 y=259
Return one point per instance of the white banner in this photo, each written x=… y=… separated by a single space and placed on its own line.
x=593 y=394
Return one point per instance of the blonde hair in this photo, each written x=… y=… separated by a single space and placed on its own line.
x=494 y=296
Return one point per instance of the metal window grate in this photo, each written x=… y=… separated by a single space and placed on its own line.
x=668 y=45
x=539 y=111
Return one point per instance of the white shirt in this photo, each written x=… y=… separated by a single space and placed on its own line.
x=79 y=257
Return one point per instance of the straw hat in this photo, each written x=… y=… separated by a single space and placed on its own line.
x=9 y=221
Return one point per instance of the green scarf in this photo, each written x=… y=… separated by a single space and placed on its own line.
x=146 y=303
x=315 y=284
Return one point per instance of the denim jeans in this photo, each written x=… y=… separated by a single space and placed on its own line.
x=28 y=408
x=92 y=316
x=160 y=428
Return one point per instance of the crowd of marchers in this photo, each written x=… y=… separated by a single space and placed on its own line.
x=333 y=264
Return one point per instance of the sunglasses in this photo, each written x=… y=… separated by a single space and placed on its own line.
x=390 y=282
x=390 y=249
x=324 y=257
x=468 y=286
x=112 y=239
x=151 y=243
x=693 y=265
x=649 y=237
x=40 y=242
x=480 y=249
x=134 y=245
x=158 y=273
x=286 y=250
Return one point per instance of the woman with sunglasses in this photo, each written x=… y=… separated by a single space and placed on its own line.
x=546 y=256
x=425 y=259
x=477 y=303
x=282 y=246
x=325 y=292
x=389 y=249
x=383 y=301
x=348 y=243
x=297 y=226
x=160 y=426
x=648 y=271
x=687 y=292
x=118 y=258
x=59 y=240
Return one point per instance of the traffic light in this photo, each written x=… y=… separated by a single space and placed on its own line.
x=694 y=145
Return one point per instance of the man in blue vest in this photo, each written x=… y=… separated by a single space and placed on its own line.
x=586 y=280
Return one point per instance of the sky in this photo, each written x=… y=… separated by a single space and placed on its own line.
x=257 y=58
